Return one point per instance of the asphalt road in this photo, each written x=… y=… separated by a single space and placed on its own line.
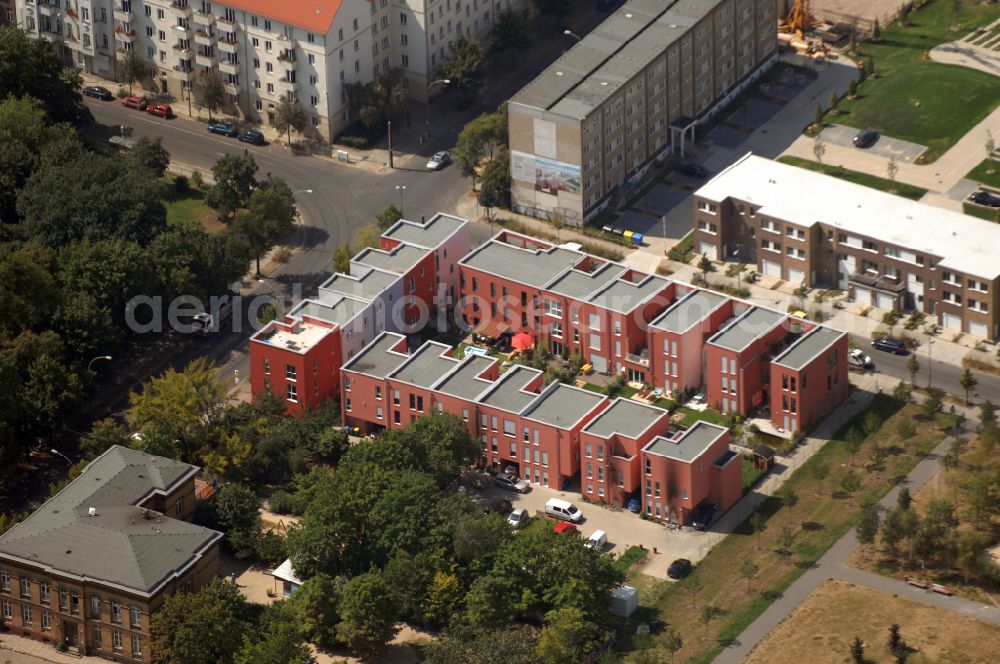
x=940 y=374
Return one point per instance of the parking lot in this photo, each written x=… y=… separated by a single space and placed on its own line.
x=624 y=529
x=886 y=146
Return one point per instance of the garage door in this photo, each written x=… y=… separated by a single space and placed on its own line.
x=796 y=276
x=707 y=248
x=862 y=295
x=951 y=321
x=599 y=363
x=978 y=329
x=770 y=268
x=883 y=301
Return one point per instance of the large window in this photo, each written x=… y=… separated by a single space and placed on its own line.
x=25 y=587
x=292 y=393
x=4 y=580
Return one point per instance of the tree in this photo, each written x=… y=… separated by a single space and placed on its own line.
x=876 y=30
x=748 y=570
x=991 y=147
x=932 y=402
x=934 y=536
x=314 y=607
x=968 y=383
x=132 y=69
x=858 y=651
x=469 y=645
x=903 y=15
x=494 y=190
x=705 y=265
x=956 y=10
x=387 y=217
x=694 y=586
x=237 y=512
x=757 y=523
x=904 y=499
x=182 y=407
x=906 y=429
x=901 y=392
x=852 y=88
x=148 y=157
x=465 y=66
x=833 y=101
x=367 y=236
x=872 y=423
x=208 y=91
x=289 y=115
x=342 y=259
x=367 y=613
x=868 y=526
x=913 y=367
x=479 y=138
x=204 y=627
x=968 y=553
x=568 y=637
x=891 y=169
x=673 y=642
x=103 y=435
x=268 y=219
x=444 y=597
x=987 y=414
x=789 y=499
x=281 y=643
x=557 y=9
x=819 y=149
x=235 y=179
x=850 y=482
x=511 y=32
x=786 y=537
x=30 y=68
x=820 y=471
x=557 y=221
x=818 y=116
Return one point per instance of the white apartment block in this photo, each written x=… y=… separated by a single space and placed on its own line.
x=264 y=50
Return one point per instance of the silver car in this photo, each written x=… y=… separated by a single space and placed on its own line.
x=518 y=518
x=511 y=483
x=439 y=161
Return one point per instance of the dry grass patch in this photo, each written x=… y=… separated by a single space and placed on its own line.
x=822 y=628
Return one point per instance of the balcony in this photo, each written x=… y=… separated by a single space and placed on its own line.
x=642 y=359
x=227 y=24
x=882 y=283
x=227 y=67
x=285 y=85
x=204 y=38
x=232 y=88
x=227 y=46
x=201 y=18
x=181 y=29
x=48 y=9
x=181 y=8
x=125 y=36
x=287 y=56
x=123 y=15
x=203 y=60
x=183 y=52
x=182 y=73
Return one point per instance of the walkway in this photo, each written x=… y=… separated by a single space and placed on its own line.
x=22 y=650
x=832 y=565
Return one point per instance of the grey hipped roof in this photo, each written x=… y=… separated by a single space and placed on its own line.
x=118 y=546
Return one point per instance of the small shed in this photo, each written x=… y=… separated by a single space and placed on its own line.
x=624 y=601
x=285 y=573
x=763 y=457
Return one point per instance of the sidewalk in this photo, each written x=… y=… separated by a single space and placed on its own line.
x=22 y=650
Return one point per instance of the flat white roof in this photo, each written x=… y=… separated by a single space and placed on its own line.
x=965 y=244
x=300 y=338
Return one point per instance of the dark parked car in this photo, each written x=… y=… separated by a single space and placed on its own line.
x=97 y=92
x=703 y=517
x=889 y=345
x=223 y=129
x=635 y=505
x=866 y=138
x=985 y=198
x=694 y=170
x=679 y=568
x=252 y=136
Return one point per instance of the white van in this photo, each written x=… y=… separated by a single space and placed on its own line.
x=597 y=541
x=562 y=509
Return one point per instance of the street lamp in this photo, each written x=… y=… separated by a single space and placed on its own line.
x=570 y=33
x=427 y=116
x=99 y=357
x=55 y=451
x=401 y=188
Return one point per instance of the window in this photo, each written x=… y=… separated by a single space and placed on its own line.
x=378 y=393
x=136 y=645
x=378 y=412
x=4 y=580
x=292 y=393
x=7 y=609
x=684 y=494
x=509 y=428
x=347 y=405
x=116 y=612
x=267 y=366
x=95 y=606
x=46 y=620
x=465 y=414
x=25 y=587
x=26 y=614
x=63 y=599
x=116 y=639
x=347 y=383
x=97 y=635
x=395 y=397
x=649 y=468
x=290 y=371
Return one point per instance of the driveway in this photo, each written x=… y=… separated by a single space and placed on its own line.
x=624 y=529
x=886 y=146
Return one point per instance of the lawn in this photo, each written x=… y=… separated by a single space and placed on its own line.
x=981 y=174
x=189 y=208
x=882 y=184
x=750 y=474
x=631 y=556
x=919 y=100
x=681 y=252
x=708 y=415
x=818 y=516
x=810 y=635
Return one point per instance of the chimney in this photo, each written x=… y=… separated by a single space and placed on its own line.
x=92 y=511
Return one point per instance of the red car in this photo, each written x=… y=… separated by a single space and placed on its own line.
x=162 y=110
x=137 y=103
x=565 y=528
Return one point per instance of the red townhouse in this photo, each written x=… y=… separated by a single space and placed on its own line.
x=568 y=300
x=688 y=469
x=402 y=286
x=809 y=379
x=611 y=446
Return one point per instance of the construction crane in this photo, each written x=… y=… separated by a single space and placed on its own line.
x=799 y=20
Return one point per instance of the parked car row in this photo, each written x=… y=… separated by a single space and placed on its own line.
x=229 y=129
x=138 y=103
x=889 y=345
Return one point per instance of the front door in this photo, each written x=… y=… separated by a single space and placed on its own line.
x=69 y=633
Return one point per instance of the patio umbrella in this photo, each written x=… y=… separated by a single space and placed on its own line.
x=522 y=341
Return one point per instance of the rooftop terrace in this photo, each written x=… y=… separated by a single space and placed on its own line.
x=430 y=235
x=298 y=336
x=400 y=259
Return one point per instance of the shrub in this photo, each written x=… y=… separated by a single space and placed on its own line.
x=270 y=548
x=181 y=184
x=353 y=141
x=121 y=93
x=197 y=180
x=281 y=255
x=282 y=502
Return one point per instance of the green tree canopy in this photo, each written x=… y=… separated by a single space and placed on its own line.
x=512 y=32
x=568 y=637
x=494 y=189
x=148 y=156
x=290 y=115
x=469 y=645
x=133 y=68
x=204 y=627
x=235 y=179
x=268 y=219
x=387 y=217
x=208 y=91
x=29 y=67
x=367 y=613
x=466 y=67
